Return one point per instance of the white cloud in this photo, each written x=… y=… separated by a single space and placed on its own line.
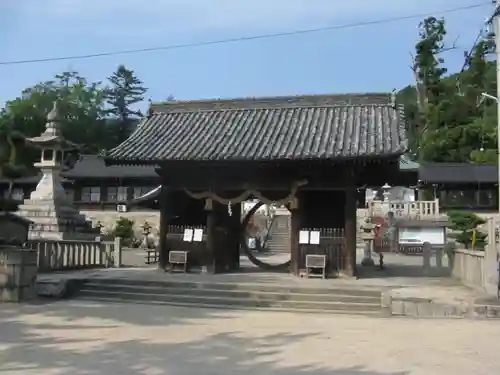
x=164 y=17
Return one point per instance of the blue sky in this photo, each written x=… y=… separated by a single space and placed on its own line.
x=362 y=59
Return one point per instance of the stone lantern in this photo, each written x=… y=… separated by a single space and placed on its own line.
x=49 y=207
x=368 y=236
x=386 y=191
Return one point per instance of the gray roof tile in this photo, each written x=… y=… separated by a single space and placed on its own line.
x=268 y=129
x=458 y=173
x=93 y=166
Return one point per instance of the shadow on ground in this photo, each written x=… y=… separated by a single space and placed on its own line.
x=60 y=338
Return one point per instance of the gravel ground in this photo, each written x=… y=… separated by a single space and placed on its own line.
x=78 y=337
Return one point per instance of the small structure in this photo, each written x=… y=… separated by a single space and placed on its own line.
x=18 y=266
x=49 y=207
x=412 y=234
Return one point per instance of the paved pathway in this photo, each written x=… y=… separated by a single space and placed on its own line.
x=82 y=338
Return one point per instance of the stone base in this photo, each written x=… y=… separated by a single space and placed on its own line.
x=58 y=288
x=409 y=302
x=56 y=220
x=368 y=262
x=18 y=272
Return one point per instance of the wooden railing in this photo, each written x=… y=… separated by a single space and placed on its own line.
x=71 y=255
x=406 y=209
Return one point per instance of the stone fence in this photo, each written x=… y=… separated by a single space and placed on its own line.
x=481 y=269
x=72 y=255
x=404 y=209
x=468 y=267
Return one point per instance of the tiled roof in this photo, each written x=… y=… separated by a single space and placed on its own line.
x=292 y=128
x=93 y=166
x=458 y=173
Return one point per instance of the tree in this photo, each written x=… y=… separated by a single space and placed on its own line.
x=125 y=91
x=464 y=224
x=81 y=106
x=10 y=143
x=446 y=120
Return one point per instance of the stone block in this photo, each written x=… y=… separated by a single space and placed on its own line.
x=18 y=270
x=397 y=308
x=51 y=288
x=493 y=312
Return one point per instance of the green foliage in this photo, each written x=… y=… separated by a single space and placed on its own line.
x=124 y=91
x=463 y=224
x=124 y=228
x=11 y=143
x=85 y=108
x=447 y=118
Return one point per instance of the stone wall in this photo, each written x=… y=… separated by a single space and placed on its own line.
x=468 y=267
x=109 y=218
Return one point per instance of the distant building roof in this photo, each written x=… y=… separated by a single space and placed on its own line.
x=93 y=166
x=458 y=173
x=323 y=127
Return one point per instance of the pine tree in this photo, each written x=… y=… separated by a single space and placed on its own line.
x=124 y=91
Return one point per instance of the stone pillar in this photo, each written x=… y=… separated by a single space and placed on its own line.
x=426 y=258
x=18 y=269
x=117 y=253
x=439 y=258
x=492 y=261
x=350 y=230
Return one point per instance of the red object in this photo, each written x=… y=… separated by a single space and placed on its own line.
x=379 y=224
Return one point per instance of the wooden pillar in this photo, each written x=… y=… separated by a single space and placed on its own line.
x=295 y=224
x=234 y=237
x=164 y=216
x=350 y=230
x=210 y=255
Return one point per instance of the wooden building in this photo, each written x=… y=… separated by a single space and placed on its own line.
x=461 y=186
x=95 y=186
x=312 y=153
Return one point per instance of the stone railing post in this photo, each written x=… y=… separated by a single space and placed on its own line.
x=118 y=252
x=436 y=206
x=426 y=252
x=492 y=260
x=439 y=258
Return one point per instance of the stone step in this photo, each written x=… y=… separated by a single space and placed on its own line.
x=242 y=286
x=218 y=298
x=197 y=305
x=236 y=294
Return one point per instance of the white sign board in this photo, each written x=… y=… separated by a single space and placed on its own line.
x=435 y=236
x=188 y=235
x=198 y=235
x=315 y=238
x=304 y=237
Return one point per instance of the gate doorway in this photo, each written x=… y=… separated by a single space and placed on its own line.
x=265 y=238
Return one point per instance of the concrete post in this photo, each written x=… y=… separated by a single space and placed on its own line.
x=426 y=258
x=439 y=258
x=491 y=261
x=118 y=252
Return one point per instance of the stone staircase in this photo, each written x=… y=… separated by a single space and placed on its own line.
x=235 y=295
x=279 y=235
